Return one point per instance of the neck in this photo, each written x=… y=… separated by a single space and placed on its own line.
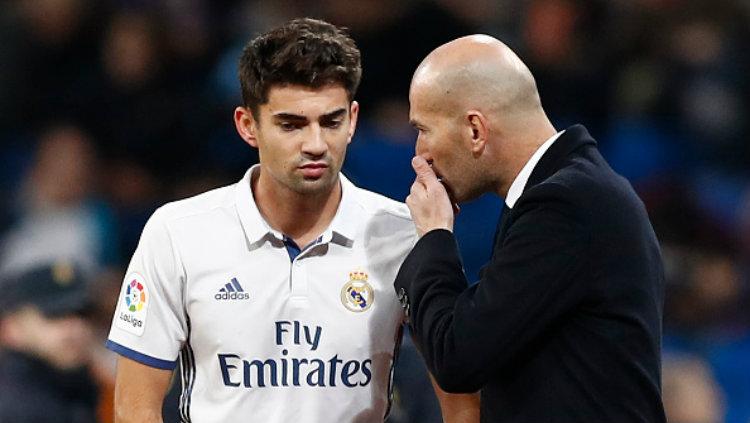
x=519 y=153
x=302 y=217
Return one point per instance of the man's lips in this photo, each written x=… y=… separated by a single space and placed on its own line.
x=313 y=170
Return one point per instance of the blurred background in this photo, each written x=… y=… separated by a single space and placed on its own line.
x=111 y=108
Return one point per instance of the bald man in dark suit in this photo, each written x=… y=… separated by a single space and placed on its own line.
x=564 y=324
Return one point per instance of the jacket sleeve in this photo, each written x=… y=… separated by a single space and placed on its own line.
x=534 y=278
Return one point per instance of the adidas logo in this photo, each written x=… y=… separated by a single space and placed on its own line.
x=232 y=291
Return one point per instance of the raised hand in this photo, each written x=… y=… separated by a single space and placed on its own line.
x=428 y=201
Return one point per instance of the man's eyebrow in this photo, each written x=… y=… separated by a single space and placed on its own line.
x=415 y=123
x=289 y=116
x=334 y=114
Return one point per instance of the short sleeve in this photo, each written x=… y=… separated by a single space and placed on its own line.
x=149 y=325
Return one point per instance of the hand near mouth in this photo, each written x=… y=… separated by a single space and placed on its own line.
x=454 y=204
x=429 y=202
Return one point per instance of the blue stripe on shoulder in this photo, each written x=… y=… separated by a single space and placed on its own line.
x=139 y=357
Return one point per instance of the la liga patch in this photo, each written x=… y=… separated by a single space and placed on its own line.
x=132 y=308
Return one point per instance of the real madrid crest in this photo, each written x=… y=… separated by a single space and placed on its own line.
x=357 y=294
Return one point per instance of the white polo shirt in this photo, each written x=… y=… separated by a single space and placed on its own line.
x=263 y=335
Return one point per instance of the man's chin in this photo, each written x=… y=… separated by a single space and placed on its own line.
x=312 y=186
x=451 y=192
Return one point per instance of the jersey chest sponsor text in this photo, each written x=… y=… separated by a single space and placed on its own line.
x=285 y=370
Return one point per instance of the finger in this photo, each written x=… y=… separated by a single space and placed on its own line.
x=424 y=172
x=415 y=187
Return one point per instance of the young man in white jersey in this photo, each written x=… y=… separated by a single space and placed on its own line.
x=275 y=293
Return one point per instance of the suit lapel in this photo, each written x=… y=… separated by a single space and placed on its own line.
x=499 y=234
x=570 y=140
x=502 y=224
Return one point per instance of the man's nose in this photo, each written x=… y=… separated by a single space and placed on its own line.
x=315 y=144
x=420 y=150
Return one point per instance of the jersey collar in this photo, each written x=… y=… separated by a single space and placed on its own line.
x=344 y=223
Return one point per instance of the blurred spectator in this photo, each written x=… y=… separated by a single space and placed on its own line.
x=393 y=36
x=46 y=47
x=129 y=103
x=563 y=43
x=45 y=345
x=691 y=394
x=745 y=232
x=57 y=217
x=705 y=294
x=705 y=50
x=705 y=317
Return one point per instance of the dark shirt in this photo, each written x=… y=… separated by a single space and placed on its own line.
x=565 y=322
x=33 y=392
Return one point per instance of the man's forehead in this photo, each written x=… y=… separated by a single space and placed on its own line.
x=302 y=100
x=423 y=99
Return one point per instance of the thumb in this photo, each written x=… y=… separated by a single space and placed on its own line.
x=424 y=172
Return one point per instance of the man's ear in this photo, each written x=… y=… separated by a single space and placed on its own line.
x=353 y=114
x=479 y=131
x=246 y=125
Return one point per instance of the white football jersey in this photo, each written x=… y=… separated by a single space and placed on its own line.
x=265 y=331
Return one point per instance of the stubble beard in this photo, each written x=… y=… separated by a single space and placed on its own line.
x=313 y=186
x=475 y=184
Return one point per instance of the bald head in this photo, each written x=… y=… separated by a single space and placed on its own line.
x=477 y=72
x=477 y=109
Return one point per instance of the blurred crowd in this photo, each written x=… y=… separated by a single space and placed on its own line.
x=110 y=108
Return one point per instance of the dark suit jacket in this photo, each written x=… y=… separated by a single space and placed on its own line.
x=565 y=323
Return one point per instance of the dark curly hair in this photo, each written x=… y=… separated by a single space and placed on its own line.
x=307 y=52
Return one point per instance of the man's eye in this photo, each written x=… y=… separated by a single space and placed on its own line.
x=287 y=126
x=332 y=124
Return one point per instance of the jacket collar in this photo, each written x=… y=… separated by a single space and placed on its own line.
x=573 y=138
